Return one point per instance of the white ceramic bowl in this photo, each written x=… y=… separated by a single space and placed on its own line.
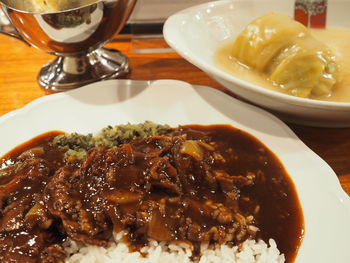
x=197 y=32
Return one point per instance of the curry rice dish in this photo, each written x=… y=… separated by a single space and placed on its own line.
x=191 y=193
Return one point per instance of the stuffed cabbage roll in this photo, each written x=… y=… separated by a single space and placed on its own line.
x=285 y=50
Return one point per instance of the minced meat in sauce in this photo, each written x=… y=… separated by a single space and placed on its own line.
x=213 y=184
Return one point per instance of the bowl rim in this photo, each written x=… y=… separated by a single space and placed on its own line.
x=215 y=71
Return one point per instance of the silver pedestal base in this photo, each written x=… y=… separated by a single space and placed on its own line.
x=69 y=72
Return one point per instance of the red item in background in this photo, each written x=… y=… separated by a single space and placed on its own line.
x=318 y=13
x=301 y=12
x=311 y=13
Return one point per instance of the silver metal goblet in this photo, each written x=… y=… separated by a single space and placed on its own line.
x=75 y=35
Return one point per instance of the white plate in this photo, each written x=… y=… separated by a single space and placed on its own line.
x=326 y=207
x=197 y=33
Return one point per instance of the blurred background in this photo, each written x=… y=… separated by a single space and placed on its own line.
x=146 y=22
x=158 y=10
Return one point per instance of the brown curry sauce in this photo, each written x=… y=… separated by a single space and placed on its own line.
x=263 y=188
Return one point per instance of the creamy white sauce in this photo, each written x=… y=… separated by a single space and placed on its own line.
x=336 y=39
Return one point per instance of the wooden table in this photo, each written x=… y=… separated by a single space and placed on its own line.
x=19 y=65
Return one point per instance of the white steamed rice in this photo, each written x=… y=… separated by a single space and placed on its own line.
x=249 y=252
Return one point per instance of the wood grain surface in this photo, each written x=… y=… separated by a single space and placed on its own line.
x=20 y=64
